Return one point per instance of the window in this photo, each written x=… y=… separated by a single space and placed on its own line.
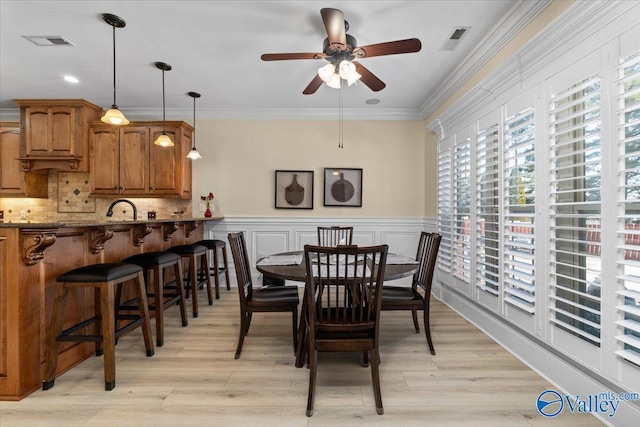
x=629 y=224
x=575 y=209
x=488 y=210
x=519 y=210
x=461 y=238
x=444 y=205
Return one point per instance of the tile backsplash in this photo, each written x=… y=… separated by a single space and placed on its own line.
x=69 y=200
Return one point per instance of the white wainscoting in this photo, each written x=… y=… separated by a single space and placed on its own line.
x=269 y=235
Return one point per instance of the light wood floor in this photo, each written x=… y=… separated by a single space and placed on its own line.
x=193 y=380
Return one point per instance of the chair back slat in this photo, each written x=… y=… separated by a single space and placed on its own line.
x=341 y=288
x=242 y=266
x=426 y=257
x=334 y=236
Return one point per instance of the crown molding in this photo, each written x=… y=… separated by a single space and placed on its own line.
x=521 y=14
x=569 y=36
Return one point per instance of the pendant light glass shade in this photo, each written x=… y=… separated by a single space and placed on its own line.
x=114 y=116
x=193 y=154
x=163 y=140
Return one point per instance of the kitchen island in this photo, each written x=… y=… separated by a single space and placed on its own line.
x=33 y=255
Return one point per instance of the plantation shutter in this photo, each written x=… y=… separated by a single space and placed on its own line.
x=461 y=238
x=519 y=210
x=488 y=209
x=575 y=209
x=444 y=204
x=629 y=222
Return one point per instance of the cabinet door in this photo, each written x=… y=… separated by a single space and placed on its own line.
x=14 y=182
x=12 y=179
x=50 y=131
x=163 y=163
x=134 y=160
x=104 y=146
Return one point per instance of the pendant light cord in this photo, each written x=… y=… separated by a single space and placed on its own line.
x=114 y=66
x=164 y=119
x=193 y=146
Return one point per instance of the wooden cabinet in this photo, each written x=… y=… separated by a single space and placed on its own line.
x=54 y=133
x=125 y=161
x=14 y=182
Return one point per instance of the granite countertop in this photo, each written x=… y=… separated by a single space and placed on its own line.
x=95 y=223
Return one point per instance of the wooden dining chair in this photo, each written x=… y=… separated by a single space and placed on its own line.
x=343 y=306
x=265 y=299
x=334 y=236
x=418 y=296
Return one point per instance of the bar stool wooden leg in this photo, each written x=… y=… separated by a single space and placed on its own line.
x=216 y=270
x=144 y=313
x=204 y=265
x=180 y=289
x=193 y=282
x=226 y=267
x=158 y=303
x=108 y=328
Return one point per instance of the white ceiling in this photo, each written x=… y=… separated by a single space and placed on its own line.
x=214 y=48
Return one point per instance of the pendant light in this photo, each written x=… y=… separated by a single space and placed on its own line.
x=114 y=116
x=163 y=140
x=193 y=154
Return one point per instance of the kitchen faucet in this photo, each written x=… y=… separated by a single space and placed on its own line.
x=115 y=202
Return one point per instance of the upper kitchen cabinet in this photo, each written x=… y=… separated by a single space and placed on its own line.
x=14 y=182
x=54 y=133
x=125 y=161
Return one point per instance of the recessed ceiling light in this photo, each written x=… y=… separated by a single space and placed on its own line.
x=71 y=79
x=372 y=101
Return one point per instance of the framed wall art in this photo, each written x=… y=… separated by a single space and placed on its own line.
x=343 y=187
x=294 y=189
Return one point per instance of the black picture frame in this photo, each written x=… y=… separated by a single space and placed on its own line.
x=294 y=189
x=343 y=187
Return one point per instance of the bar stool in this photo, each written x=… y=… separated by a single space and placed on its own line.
x=104 y=278
x=195 y=253
x=214 y=245
x=156 y=263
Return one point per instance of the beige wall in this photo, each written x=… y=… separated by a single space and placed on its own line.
x=240 y=158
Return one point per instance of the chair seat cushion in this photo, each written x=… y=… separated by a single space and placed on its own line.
x=188 y=249
x=398 y=293
x=284 y=294
x=99 y=272
x=149 y=259
x=212 y=243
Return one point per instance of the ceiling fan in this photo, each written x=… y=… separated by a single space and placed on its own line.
x=340 y=49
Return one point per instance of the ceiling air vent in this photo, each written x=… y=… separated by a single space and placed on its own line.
x=49 y=40
x=454 y=39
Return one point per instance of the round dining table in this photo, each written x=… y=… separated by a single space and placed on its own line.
x=298 y=272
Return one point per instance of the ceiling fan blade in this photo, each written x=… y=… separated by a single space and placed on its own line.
x=388 y=48
x=313 y=86
x=286 y=56
x=368 y=78
x=334 y=24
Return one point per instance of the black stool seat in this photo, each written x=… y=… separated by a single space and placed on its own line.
x=194 y=254
x=149 y=259
x=187 y=249
x=164 y=294
x=106 y=280
x=99 y=272
x=214 y=245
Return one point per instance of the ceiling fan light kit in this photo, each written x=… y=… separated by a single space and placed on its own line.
x=114 y=116
x=340 y=48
